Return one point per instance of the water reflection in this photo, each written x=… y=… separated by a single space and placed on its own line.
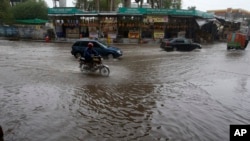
x=151 y=95
x=115 y=111
x=234 y=54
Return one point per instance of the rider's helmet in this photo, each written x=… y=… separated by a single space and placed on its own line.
x=90 y=45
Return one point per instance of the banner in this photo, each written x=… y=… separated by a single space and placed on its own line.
x=158 y=35
x=157 y=19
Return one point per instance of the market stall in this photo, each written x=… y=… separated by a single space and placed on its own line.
x=89 y=27
x=129 y=27
x=108 y=27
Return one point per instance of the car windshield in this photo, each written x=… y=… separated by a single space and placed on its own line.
x=187 y=41
x=104 y=44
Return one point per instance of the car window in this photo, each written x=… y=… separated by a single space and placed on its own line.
x=187 y=41
x=84 y=44
x=179 y=41
x=102 y=44
x=76 y=44
x=96 y=45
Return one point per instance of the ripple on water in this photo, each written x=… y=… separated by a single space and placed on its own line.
x=119 y=111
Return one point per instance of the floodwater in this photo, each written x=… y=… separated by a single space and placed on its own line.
x=150 y=95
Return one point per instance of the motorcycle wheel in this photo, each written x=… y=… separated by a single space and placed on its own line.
x=78 y=55
x=104 y=71
x=84 y=68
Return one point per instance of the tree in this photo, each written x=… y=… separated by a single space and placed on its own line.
x=5 y=14
x=191 y=7
x=15 y=2
x=166 y=3
x=97 y=5
x=31 y=9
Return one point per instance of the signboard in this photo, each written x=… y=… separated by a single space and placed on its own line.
x=158 y=35
x=112 y=35
x=133 y=34
x=69 y=11
x=124 y=10
x=93 y=35
x=177 y=12
x=62 y=10
x=157 y=19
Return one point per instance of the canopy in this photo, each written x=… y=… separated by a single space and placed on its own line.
x=32 y=21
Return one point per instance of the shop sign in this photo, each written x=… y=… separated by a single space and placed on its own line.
x=157 y=19
x=133 y=34
x=178 y=12
x=158 y=35
x=69 y=11
x=37 y=27
x=62 y=10
x=171 y=11
x=124 y=10
x=93 y=35
x=159 y=11
x=112 y=35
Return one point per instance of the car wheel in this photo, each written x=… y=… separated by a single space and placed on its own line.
x=174 y=48
x=78 y=55
x=110 y=56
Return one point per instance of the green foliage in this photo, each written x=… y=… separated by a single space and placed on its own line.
x=90 y=5
x=5 y=14
x=31 y=9
x=167 y=3
x=191 y=7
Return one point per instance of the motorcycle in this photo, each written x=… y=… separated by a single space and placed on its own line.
x=95 y=66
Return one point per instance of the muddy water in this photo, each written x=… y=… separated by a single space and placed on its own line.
x=150 y=94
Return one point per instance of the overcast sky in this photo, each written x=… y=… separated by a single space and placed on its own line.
x=202 y=5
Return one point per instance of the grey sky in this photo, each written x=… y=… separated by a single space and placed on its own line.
x=202 y=5
x=205 y=5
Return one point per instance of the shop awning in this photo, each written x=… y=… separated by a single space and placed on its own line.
x=87 y=14
x=32 y=21
x=108 y=14
x=202 y=22
x=70 y=11
x=170 y=12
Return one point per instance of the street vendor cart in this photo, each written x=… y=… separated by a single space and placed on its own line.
x=237 y=41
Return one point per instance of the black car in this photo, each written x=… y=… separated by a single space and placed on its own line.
x=179 y=44
x=104 y=50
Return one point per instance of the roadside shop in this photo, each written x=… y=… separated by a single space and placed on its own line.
x=127 y=25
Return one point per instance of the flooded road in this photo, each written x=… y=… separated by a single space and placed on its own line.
x=151 y=95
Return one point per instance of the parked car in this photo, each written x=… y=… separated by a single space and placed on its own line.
x=102 y=48
x=179 y=44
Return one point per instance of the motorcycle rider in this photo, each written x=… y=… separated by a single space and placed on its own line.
x=89 y=53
